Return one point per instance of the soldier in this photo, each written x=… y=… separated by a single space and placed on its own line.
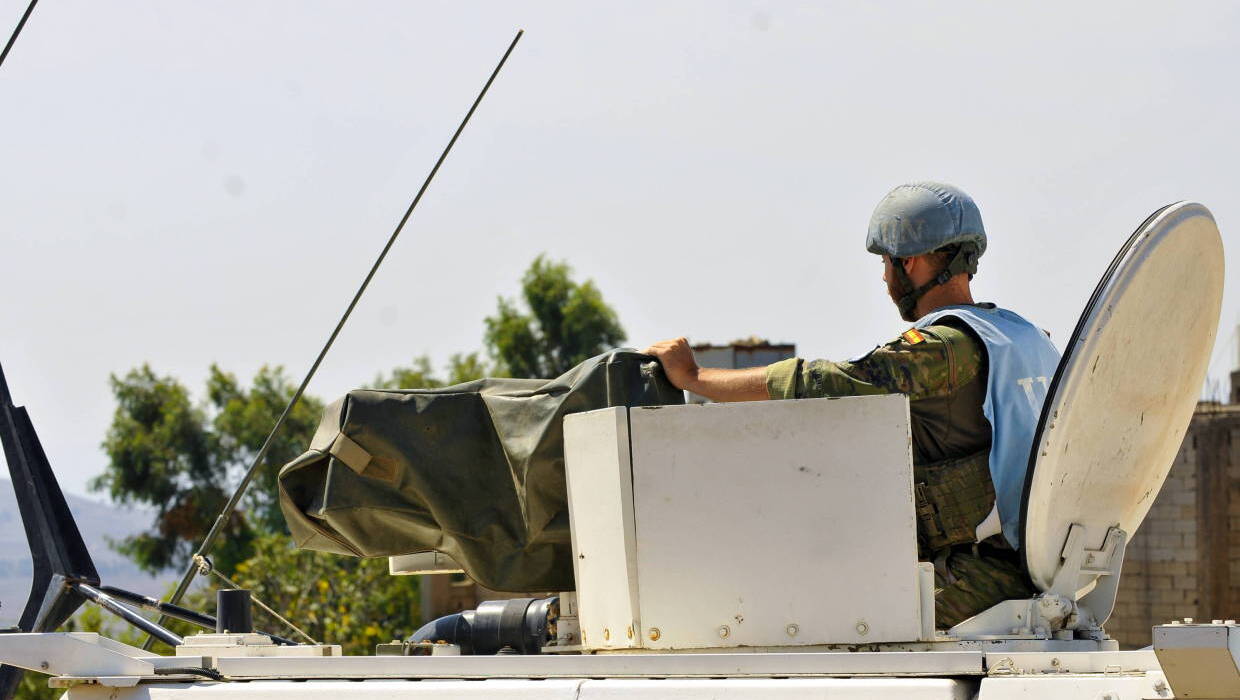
x=975 y=375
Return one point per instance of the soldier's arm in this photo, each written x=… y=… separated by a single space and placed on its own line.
x=715 y=384
x=936 y=361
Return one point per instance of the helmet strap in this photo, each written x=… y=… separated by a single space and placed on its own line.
x=963 y=261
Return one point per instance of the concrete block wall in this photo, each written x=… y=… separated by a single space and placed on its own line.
x=1184 y=561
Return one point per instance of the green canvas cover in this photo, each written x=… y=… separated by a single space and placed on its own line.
x=475 y=471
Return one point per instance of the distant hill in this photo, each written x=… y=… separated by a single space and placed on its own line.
x=97 y=522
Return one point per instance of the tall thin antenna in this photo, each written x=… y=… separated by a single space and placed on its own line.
x=227 y=512
x=13 y=38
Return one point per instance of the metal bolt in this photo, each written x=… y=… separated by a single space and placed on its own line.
x=606 y=634
x=862 y=628
x=629 y=632
x=792 y=630
x=724 y=631
x=654 y=634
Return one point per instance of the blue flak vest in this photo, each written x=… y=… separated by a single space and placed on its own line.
x=1021 y=361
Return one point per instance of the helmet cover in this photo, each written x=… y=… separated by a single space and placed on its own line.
x=922 y=217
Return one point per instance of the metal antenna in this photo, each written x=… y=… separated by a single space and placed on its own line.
x=229 y=507
x=20 y=23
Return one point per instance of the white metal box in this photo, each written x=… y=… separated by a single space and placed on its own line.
x=775 y=523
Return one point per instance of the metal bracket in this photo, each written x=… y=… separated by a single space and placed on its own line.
x=1089 y=577
x=1079 y=600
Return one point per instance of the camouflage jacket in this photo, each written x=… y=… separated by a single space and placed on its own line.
x=942 y=370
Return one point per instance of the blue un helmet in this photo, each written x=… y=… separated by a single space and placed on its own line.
x=927 y=217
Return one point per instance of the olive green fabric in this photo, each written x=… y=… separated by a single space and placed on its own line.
x=475 y=471
x=970 y=579
x=953 y=497
x=943 y=372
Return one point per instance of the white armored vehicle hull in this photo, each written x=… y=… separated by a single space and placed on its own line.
x=768 y=550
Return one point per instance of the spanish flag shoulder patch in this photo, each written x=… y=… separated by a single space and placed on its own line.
x=912 y=336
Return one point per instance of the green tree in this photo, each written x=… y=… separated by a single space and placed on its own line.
x=418 y=375
x=184 y=459
x=566 y=323
x=243 y=418
x=462 y=367
x=466 y=367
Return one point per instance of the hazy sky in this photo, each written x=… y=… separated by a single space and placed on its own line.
x=184 y=183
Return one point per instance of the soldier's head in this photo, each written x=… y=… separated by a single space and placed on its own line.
x=928 y=234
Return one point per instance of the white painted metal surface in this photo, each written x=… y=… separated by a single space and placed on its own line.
x=336 y=690
x=74 y=653
x=1074 y=687
x=1202 y=660
x=678 y=689
x=1059 y=687
x=1079 y=662
x=1123 y=396
x=87 y=654
x=825 y=483
x=716 y=489
x=785 y=689
x=251 y=644
x=631 y=665
x=599 y=476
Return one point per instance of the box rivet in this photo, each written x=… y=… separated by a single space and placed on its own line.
x=724 y=631
x=862 y=628
x=654 y=634
x=792 y=630
x=629 y=632
x=606 y=634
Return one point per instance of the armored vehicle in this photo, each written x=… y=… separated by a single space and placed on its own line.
x=763 y=550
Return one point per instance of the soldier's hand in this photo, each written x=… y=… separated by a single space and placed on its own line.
x=678 y=362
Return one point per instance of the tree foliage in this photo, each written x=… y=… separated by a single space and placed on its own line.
x=419 y=374
x=183 y=459
x=567 y=322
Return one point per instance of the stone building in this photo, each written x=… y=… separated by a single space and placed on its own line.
x=1185 y=559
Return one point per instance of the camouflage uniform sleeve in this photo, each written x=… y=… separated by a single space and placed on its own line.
x=946 y=359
